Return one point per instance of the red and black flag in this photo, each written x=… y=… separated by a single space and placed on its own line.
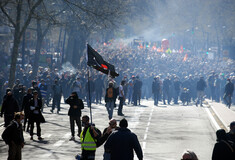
x=96 y=61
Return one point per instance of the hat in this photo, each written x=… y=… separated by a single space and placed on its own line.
x=232 y=124
x=35 y=92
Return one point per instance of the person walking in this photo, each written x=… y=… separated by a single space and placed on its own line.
x=121 y=143
x=201 y=85
x=166 y=90
x=26 y=108
x=121 y=98
x=35 y=104
x=9 y=107
x=43 y=89
x=110 y=99
x=76 y=105
x=228 y=92
x=57 y=93
x=13 y=137
x=156 y=88
x=106 y=133
x=89 y=136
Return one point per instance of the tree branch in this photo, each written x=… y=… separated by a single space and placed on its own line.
x=29 y=16
x=8 y=17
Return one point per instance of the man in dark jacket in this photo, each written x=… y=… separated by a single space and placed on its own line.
x=156 y=89
x=223 y=149
x=35 y=104
x=13 y=137
x=228 y=92
x=177 y=86
x=122 y=142
x=201 y=85
x=26 y=107
x=76 y=105
x=57 y=93
x=231 y=133
x=9 y=107
x=166 y=90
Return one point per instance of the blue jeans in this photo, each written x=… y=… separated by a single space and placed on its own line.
x=109 y=107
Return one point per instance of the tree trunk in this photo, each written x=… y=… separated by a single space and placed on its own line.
x=14 y=58
x=38 y=48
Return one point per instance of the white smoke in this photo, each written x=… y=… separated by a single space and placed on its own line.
x=67 y=67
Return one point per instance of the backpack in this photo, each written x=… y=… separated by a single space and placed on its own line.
x=110 y=93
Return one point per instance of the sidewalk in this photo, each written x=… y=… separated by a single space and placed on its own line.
x=225 y=114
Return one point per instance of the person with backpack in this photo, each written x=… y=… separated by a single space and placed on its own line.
x=57 y=93
x=110 y=97
x=13 y=137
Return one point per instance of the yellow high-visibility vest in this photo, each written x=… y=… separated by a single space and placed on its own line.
x=88 y=143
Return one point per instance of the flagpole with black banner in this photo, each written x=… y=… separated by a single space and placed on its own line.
x=89 y=95
x=95 y=60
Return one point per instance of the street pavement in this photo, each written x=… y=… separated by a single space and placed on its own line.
x=164 y=131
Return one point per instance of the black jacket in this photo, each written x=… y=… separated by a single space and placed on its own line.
x=201 y=85
x=121 y=144
x=223 y=150
x=13 y=133
x=35 y=114
x=25 y=104
x=9 y=105
x=73 y=110
x=229 y=87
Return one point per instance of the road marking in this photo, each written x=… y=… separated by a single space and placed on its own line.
x=59 y=143
x=145 y=136
x=147 y=129
x=212 y=119
x=148 y=124
x=144 y=145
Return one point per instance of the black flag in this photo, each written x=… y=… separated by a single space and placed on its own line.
x=96 y=61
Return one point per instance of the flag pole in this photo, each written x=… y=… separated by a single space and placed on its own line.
x=89 y=96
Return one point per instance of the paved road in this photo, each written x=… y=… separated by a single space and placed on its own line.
x=164 y=132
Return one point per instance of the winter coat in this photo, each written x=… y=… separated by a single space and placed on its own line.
x=14 y=133
x=121 y=144
x=25 y=104
x=35 y=113
x=9 y=105
x=229 y=87
x=223 y=150
x=201 y=85
x=76 y=105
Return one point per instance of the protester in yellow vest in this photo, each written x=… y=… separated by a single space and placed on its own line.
x=88 y=137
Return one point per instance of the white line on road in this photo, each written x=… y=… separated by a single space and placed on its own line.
x=147 y=129
x=144 y=145
x=145 y=136
x=148 y=124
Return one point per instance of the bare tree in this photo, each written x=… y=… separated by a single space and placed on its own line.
x=14 y=10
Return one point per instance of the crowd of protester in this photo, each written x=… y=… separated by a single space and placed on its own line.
x=169 y=78
x=133 y=65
